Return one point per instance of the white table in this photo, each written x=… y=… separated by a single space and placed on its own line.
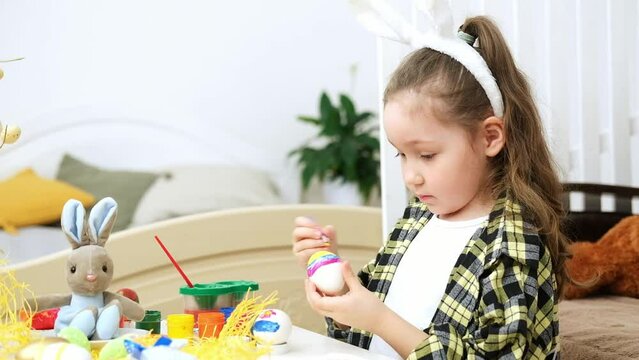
x=304 y=344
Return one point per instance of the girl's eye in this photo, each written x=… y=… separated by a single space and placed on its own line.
x=72 y=269
x=427 y=156
x=104 y=268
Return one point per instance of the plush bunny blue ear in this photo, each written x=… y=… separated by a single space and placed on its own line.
x=73 y=222
x=102 y=219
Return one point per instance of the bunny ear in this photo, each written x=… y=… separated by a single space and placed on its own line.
x=380 y=18
x=102 y=219
x=73 y=223
x=440 y=16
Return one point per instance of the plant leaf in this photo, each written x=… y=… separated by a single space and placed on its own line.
x=349 y=110
x=329 y=116
x=307 y=175
x=368 y=141
x=348 y=153
x=364 y=116
x=309 y=120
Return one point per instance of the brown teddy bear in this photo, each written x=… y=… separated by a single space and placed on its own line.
x=609 y=266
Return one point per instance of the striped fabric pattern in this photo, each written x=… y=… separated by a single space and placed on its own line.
x=500 y=301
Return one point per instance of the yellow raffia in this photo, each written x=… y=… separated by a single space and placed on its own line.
x=15 y=332
x=236 y=340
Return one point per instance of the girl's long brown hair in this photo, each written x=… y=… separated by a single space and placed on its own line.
x=524 y=169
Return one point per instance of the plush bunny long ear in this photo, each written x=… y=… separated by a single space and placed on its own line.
x=382 y=19
x=439 y=15
x=74 y=223
x=102 y=219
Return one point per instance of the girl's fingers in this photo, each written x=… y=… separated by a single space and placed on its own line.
x=315 y=299
x=300 y=233
x=329 y=231
x=309 y=244
x=351 y=280
x=313 y=229
x=311 y=294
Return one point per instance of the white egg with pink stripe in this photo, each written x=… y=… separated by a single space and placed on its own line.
x=324 y=269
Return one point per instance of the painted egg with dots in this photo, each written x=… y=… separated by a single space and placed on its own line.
x=324 y=269
x=272 y=326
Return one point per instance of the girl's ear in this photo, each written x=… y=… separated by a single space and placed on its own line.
x=494 y=136
x=102 y=219
x=73 y=223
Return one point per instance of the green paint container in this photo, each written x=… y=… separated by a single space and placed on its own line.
x=151 y=321
x=214 y=296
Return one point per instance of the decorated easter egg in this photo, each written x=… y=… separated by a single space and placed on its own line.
x=34 y=350
x=325 y=271
x=272 y=326
x=10 y=133
x=113 y=350
x=64 y=351
x=75 y=336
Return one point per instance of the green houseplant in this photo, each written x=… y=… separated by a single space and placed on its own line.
x=348 y=150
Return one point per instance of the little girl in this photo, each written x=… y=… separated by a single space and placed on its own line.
x=475 y=266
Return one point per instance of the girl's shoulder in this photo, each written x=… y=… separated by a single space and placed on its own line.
x=512 y=234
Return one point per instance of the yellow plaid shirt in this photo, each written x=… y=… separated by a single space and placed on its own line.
x=500 y=301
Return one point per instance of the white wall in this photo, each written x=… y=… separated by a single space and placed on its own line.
x=246 y=67
x=582 y=60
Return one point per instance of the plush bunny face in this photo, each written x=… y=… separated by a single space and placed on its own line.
x=89 y=267
x=89 y=270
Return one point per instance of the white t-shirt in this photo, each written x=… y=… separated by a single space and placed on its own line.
x=422 y=274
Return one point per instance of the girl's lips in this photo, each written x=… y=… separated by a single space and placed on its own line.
x=425 y=197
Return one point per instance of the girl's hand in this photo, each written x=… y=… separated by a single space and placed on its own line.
x=309 y=237
x=358 y=308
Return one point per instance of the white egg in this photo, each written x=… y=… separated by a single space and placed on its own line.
x=329 y=279
x=324 y=269
x=64 y=351
x=272 y=326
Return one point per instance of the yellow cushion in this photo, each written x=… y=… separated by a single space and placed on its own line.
x=28 y=199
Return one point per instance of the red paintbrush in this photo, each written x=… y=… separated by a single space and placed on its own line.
x=177 y=266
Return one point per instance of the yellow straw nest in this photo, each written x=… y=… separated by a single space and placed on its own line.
x=15 y=325
x=236 y=340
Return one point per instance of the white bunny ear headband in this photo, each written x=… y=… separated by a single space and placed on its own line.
x=382 y=19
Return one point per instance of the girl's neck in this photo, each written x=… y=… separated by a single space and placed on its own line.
x=479 y=206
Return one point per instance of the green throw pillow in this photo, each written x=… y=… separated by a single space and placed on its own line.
x=126 y=187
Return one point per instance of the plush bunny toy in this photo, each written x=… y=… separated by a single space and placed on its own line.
x=90 y=307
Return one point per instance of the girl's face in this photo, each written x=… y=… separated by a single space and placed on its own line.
x=445 y=166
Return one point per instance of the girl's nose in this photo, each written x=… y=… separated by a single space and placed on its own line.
x=91 y=277
x=413 y=178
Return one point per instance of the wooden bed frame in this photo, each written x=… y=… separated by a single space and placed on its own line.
x=590 y=223
x=242 y=244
